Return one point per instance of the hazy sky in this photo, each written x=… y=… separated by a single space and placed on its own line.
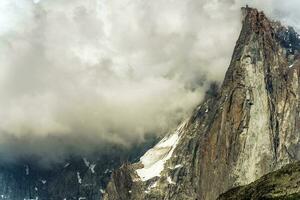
x=80 y=74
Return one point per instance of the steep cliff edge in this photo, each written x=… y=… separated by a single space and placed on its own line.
x=242 y=131
x=279 y=185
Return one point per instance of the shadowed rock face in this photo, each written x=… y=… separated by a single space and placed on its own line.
x=76 y=179
x=242 y=131
x=280 y=185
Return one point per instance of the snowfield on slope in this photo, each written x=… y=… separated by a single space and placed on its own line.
x=155 y=159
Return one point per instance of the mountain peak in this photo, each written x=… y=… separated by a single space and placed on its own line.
x=248 y=129
x=257 y=20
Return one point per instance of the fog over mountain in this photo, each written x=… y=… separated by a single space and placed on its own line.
x=79 y=75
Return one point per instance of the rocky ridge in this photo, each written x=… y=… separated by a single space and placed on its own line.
x=279 y=185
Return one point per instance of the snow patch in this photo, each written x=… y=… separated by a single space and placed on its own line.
x=27 y=170
x=153 y=185
x=79 y=178
x=89 y=165
x=66 y=165
x=86 y=162
x=4 y=196
x=170 y=181
x=92 y=168
x=102 y=191
x=176 y=166
x=36 y=198
x=155 y=159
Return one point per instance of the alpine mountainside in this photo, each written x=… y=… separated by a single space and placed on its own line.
x=248 y=127
x=281 y=185
x=78 y=178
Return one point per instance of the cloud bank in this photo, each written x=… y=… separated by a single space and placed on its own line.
x=79 y=75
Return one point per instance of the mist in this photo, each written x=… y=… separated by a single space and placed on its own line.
x=76 y=76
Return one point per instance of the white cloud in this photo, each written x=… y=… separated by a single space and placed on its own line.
x=94 y=72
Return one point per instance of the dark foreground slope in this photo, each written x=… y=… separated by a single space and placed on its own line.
x=283 y=184
x=242 y=131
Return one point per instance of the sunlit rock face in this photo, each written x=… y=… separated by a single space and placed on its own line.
x=248 y=127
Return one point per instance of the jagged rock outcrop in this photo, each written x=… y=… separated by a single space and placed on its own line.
x=280 y=185
x=242 y=131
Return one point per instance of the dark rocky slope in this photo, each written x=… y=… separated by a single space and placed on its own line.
x=78 y=178
x=242 y=131
x=283 y=184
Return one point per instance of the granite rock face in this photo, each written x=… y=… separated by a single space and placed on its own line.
x=280 y=185
x=248 y=127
